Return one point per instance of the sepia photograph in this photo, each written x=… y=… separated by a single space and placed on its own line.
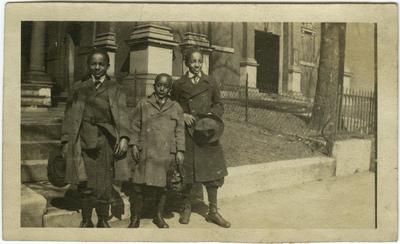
x=199 y=123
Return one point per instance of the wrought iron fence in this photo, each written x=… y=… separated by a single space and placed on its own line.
x=284 y=113
x=357 y=113
x=290 y=114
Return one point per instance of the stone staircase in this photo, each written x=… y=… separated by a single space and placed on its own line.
x=40 y=134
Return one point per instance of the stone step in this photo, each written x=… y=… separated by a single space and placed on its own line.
x=55 y=216
x=242 y=180
x=36 y=101
x=33 y=170
x=51 y=115
x=35 y=150
x=247 y=179
x=33 y=207
x=40 y=131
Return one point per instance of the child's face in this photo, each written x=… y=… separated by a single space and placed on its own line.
x=195 y=63
x=98 y=65
x=162 y=87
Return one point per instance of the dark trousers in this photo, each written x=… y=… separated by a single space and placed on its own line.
x=90 y=201
x=212 y=190
x=138 y=194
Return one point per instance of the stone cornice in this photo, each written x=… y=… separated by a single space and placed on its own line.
x=151 y=34
x=248 y=62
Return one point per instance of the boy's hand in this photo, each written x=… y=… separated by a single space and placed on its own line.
x=135 y=152
x=122 y=147
x=179 y=158
x=189 y=119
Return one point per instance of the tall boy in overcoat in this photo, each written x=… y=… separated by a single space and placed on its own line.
x=158 y=143
x=199 y=95
x=95 y=135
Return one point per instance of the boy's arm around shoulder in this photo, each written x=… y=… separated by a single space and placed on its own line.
x=124 y=112
x=217 y=107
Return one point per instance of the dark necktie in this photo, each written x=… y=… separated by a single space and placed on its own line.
x=196 y=79
x=97 y=84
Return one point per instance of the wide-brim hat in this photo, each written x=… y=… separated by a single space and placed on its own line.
x=207 y=129
x=56 y=168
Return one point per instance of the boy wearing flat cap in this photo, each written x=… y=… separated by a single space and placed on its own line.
x=159 y=143
x=204 y=163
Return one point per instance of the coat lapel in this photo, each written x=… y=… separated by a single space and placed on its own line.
x=79 y=106
x=167 y=105
x=152 y=100
x=193 y=90
x=112 y=91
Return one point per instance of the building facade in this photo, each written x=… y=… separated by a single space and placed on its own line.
x=279 y=58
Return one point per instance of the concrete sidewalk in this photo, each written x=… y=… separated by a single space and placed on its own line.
x=338 y=202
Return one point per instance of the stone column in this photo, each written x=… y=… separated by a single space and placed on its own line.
x=196 y=40
x=105 y=39
x=150 y=54
x=36 y=84
x=294 y=69
x=347 y=79
x=248 y=65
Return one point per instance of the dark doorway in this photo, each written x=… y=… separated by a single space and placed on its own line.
x=267 y=56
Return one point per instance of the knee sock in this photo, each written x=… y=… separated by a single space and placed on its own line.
x=212 y=196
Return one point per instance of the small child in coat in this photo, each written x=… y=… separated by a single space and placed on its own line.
x=158 y=142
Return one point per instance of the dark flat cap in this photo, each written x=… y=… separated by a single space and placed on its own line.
x=56 y=168
x=208 y=129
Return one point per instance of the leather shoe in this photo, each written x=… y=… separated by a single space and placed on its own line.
x=103 y=223
x=87 y=223
x=160 y=222
x=185 y=215
x=215 y=217
x=135 y=222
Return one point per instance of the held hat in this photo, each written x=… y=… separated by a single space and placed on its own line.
x=207 y=129
x=56 y=168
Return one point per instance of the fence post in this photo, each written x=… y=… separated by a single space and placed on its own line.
x=375 y=113
x=247 y=98
x=339 y=109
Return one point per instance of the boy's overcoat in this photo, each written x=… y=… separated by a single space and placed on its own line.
x=75 y=170
x=202 y=162
x=159 y=132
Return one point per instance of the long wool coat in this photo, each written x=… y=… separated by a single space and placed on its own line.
x=75 y=170
x=202 y=162
x=159 y=132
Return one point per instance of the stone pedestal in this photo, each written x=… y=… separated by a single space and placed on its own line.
x=248 y=67
x=150 y=54
x=200 y=41
x=35 y=96
x=294 y=84
x=36 y=83
x=352 y=156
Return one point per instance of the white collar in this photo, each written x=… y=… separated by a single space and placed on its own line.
x=101 y=79
x=191 y=75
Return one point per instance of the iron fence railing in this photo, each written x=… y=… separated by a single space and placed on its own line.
x=290 y=114
x=357 y=111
